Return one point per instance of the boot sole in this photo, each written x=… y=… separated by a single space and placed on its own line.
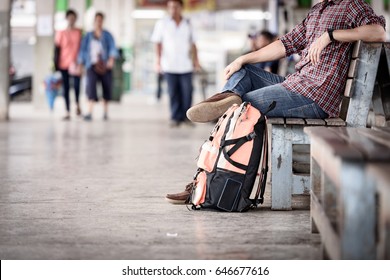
x=176 y=202
x=210 y=111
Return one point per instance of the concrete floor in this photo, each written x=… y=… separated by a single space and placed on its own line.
x=76 y=190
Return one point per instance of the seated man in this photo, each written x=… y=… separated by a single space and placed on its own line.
x=323 y=40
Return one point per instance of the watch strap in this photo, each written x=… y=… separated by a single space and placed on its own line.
x=330 y=32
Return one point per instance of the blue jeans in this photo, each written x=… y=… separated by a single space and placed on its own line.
x=180 y=94
x=260 y=88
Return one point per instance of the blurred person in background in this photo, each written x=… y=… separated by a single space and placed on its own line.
x=259 y=40
x=177 y=58
x=160 y=80
x=67 y=43
x=98 y=54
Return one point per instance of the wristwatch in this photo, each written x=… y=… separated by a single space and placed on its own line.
x=330 y=32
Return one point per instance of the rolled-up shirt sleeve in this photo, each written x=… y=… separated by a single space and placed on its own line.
x=360 y=14
x=295 y=40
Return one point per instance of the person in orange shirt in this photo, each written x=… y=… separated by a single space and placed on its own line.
x=68 y=41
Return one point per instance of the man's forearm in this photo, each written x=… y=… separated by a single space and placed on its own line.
x=271 y=52
x=159 y=52
x=195 y=55
x=367 y=33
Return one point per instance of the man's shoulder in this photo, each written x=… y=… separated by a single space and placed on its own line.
x=107 y=33
x=60 y=32
x=164 y=20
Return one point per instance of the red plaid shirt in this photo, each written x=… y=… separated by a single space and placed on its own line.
x=324 y=83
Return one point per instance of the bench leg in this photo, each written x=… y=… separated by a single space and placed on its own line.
x=329 y=203
x=357 y=213
x=325 y=255
x=281 y=169
x=315 y=183
x=384 y=226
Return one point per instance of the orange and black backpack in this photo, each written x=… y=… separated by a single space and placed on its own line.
x=229 y=160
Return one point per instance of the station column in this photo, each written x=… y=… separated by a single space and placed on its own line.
x=44 y=48
x=5 y=42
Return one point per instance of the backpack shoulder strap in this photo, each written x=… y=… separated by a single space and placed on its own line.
x=259 y=198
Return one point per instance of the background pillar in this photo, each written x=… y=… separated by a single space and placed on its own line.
x=44 y=49
x=5 y=42
x=273 y=23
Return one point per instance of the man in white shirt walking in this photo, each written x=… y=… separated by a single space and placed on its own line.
x=177 y=58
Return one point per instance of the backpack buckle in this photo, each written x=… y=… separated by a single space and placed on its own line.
x=251 y=136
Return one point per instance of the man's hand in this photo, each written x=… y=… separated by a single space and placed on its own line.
x=197 y=67
x=110 y=63
x=158 y=68
x=317 y=47
x=232 y=68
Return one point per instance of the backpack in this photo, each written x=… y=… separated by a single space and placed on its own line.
x=229 y=160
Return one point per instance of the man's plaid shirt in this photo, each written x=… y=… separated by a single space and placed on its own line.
x=324 y=83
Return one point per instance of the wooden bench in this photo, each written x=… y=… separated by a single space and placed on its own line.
x=380 y=174
x=289 y=146
x=350 y=170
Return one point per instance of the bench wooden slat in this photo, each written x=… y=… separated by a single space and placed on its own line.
x=363 y=84
x=349 y=87
x=275 y=121
x=380 y=137
x=344 y=108
x=329 y=237
x=315 y=122
x=357 y=49
x=356 y=139
x=353 y=68
x=381 y=128
x=335 y=122
x=330 y=137
x=295 y=121
x=301 y=167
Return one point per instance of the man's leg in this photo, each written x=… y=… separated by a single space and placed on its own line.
x=173 y=83
x=76 y=85
x=250 y=78
x=247 y=79
x=92 y=78
x=160 y=79
x=65 y=85
x=107 y=89
x=288 y=104
x=261 y=88
x=186 y=90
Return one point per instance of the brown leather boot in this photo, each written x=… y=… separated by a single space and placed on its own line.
x=182 y=197
x=212 y=108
